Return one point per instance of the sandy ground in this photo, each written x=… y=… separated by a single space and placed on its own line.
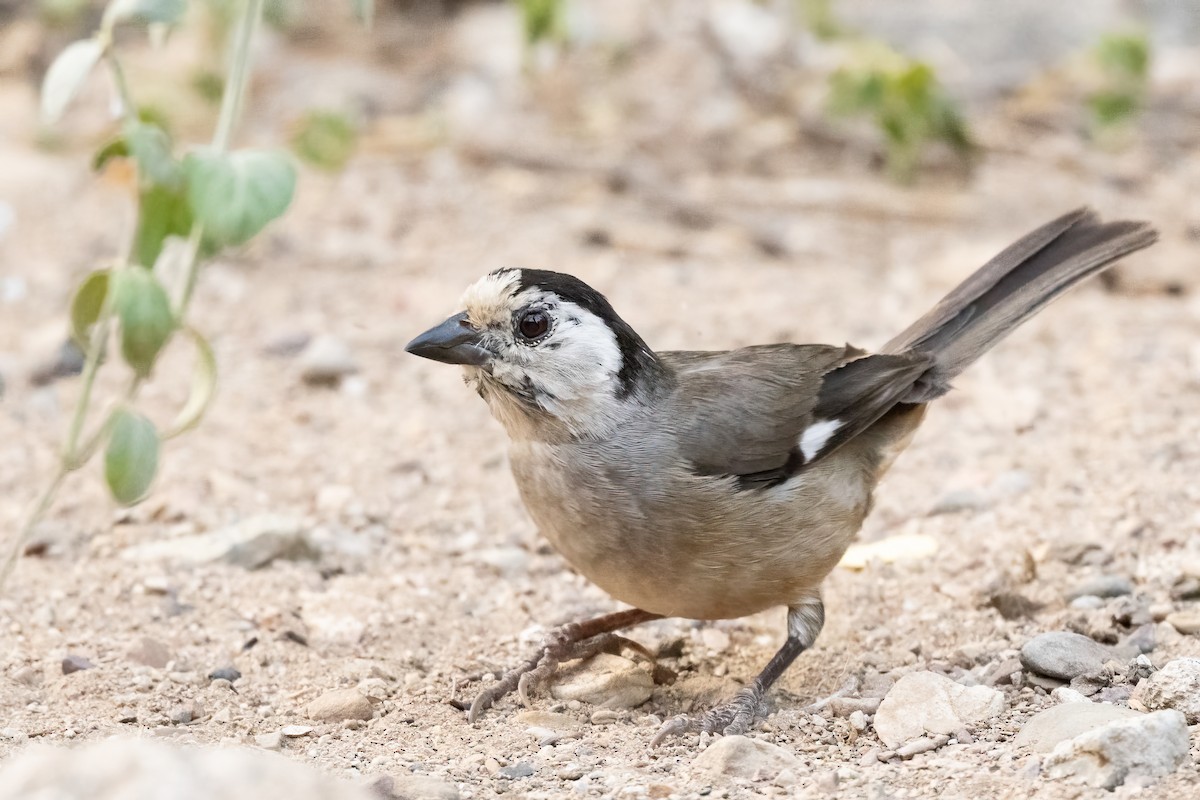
x=428 y=569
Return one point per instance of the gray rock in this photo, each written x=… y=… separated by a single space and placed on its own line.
x=1047 y=728
x=341 y=704
x=742 y=757
x=604 y=680
x=1064 y=655
x=326 y=361
x=522 y=769
x=181 y=714
x=1102 y=586
x=928 y=703
x=252 y=543
x=145 y=769
x=1148 y=746
x=74 y=663
x=66 y=363
x=230 y=674
x=1176 y=685
x=960 y=500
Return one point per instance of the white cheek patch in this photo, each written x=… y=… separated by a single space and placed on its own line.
x=579 y=359
x=816 y=436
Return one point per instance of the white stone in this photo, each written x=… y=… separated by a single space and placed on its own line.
x=341 y=704
x=145 y=769
x=1146 y=747
x=1047 y=728
x=1176 y=685
x=742 y=757
x=925 y=702
x=252 y=543
x=604 y=680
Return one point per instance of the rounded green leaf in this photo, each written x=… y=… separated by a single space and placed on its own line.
x=236 y=194
x=151 y=149
x=131 y=458
x=146 y=319
x=66 y=75
x=204 y=386
x=86 y=306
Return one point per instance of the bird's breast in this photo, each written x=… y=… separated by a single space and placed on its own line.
x=662 y=538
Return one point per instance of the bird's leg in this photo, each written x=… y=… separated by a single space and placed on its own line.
x=567 y=642
x=805 y=620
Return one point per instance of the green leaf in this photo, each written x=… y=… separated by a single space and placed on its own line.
x=131 y=458
x=236 y=194
x=86 y=306
x=151 y=149
x=66 y=75
x=114 y=148
x=160 y=12
x=204 y=386
x=325 y=139
x=146 y=319
x=364 y=12
x=162 y=212
x=542 y=19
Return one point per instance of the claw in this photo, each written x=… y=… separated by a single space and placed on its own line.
x=675 y=726
x=731 y=719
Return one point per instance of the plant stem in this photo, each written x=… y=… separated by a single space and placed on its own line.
x=231 y=107
x=128 y=109
x=35 y=516
x=239 y=70
x=72 y=457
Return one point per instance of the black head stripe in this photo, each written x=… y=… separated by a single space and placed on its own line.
x=637 y=360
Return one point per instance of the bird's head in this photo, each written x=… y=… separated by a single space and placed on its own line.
x=546 y=351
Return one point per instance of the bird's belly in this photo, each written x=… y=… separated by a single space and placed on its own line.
x=693 y=546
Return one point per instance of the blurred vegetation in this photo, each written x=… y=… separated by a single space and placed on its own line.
x=542 y=20
x=325 y=139
x=189 y=205
x=1123 y=63
x=903 y=98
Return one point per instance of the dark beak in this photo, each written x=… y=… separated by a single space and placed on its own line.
x=455 y=341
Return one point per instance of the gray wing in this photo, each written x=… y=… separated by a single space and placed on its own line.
x=745 y=413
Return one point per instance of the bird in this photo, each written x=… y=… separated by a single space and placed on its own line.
x=714 y=485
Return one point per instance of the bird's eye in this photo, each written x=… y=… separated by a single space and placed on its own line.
x=533 y=325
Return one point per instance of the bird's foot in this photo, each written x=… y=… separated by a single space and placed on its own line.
x=730 y=719
x=561 y=644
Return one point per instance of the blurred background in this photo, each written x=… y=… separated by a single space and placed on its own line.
x=728 y=172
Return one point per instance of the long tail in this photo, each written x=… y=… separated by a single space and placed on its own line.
x=1010 y=289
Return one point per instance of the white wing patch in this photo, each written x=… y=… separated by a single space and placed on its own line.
x=816 y=436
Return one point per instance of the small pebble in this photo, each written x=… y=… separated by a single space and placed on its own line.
x=180 y=715
x=858 y=720
x=1064 y=655
x=924 y=744
x=1102 y=586
x=1186 y=622
x=294 y=731
x=269 y=741
x=1064 y=694
x=74 y=663
x=230 y=674
x=341 y=704
x=326 y=361
x=522 y=769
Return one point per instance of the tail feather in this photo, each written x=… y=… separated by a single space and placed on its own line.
x=1011 y=288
